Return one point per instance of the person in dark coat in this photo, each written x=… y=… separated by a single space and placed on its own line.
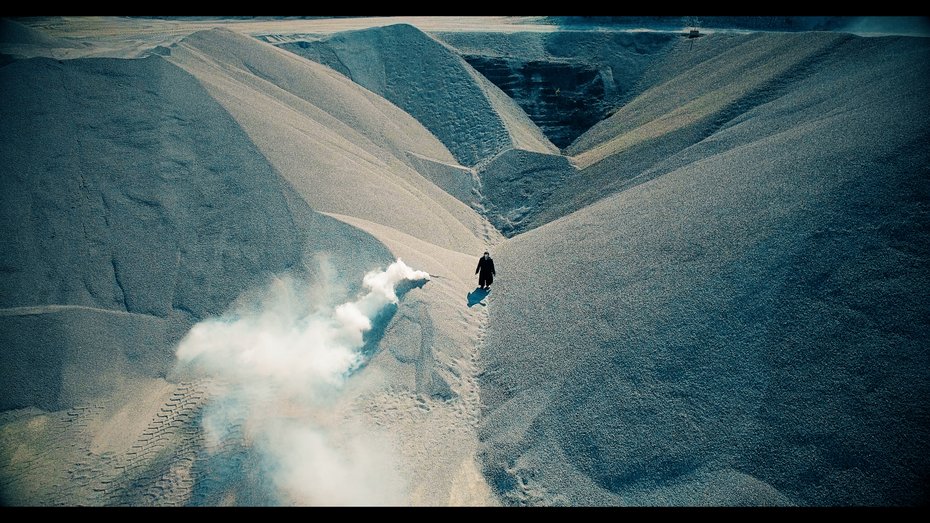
x=485 y=271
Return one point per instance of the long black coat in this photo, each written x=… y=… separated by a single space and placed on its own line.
x=486 y=268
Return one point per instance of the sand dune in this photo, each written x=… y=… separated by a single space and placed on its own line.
x=685 y=96
x=693 y=95
x=479 y=124
x=471 y=116
x=748 y=327
x=516 y=185
x=132 y=210
x=71 y=356
x=126 y=187
x=22 y=41
x=341 y=147
x=158 y=205
x=15 y=33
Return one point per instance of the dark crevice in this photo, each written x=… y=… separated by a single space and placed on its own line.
x=119 y=284
x=563 y=98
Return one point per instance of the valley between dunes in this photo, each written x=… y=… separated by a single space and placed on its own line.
x=713 y=291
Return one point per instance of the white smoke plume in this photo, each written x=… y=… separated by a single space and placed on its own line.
x=278 y=362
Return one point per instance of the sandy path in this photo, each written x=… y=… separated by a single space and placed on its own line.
x=431 y=354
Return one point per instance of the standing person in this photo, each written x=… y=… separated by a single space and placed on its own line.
x=485 y=271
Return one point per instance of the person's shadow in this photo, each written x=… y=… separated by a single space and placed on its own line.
x=475 y=297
